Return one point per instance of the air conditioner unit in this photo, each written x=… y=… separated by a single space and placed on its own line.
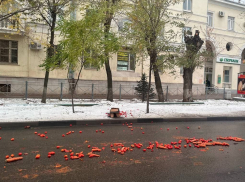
x=221 y=13
x=35 y=46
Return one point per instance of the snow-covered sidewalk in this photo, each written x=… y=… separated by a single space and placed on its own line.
x=17 y=110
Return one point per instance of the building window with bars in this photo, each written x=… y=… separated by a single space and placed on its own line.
x=231 y=22
x=187 y=5
x=210 y=19
x=125 y=61
x=8 y=51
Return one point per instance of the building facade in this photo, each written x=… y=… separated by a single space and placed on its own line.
x=219 y=21
x=225 y=21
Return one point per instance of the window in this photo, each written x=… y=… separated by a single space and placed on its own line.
x=8 y=51
x=231 y=21
x=125 y=61
x=181 y=70
x=208 y=70
x=122 y=23
x=228 y=46
x=90 y=66
x=57 y=49
x=93 y=60
x=227 y=76
x=210 y=19
x=186 y=30
x=187 y=5
x=5 y=87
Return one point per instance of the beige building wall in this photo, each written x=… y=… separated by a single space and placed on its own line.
x=220 y=36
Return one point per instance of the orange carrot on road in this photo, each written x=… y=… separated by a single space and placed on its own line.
x=14 y=159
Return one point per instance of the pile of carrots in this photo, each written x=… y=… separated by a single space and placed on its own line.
x=236 y=139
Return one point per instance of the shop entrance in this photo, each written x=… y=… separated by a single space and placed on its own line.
x=208 y=79
x=208 y=70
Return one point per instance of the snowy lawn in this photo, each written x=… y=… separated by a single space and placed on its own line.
x=32 y=110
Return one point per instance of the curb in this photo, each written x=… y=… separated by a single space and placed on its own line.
x=114 y=121
x=175 y=103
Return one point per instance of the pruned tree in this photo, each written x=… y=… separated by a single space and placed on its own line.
x=190 y=60
x=150 y=29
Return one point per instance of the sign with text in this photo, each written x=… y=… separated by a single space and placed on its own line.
x=228 y=60
x=241 y=83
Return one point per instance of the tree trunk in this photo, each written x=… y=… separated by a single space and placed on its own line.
x=107 y=26
x=158 y=83
x=50 y=53
x=187 y=87
x=109 y=81
x=45 y=87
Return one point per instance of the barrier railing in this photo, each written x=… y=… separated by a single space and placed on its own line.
x=62 y=90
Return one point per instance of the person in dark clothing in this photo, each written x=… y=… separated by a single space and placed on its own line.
x=208 y=83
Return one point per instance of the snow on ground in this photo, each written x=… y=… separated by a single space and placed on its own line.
x=19 y=110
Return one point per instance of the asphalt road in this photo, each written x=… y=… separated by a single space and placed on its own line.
x=215 y=163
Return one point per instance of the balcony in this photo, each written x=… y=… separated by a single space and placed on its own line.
x=10 y=26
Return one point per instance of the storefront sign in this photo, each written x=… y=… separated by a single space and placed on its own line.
x=122 y=56
x=228 y=60
x=241 y=83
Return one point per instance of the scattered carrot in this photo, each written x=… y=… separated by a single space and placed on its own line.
x=93 y=155
x=96 y=150
x=74 y=157
x=38 y=156
x=14 y=159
